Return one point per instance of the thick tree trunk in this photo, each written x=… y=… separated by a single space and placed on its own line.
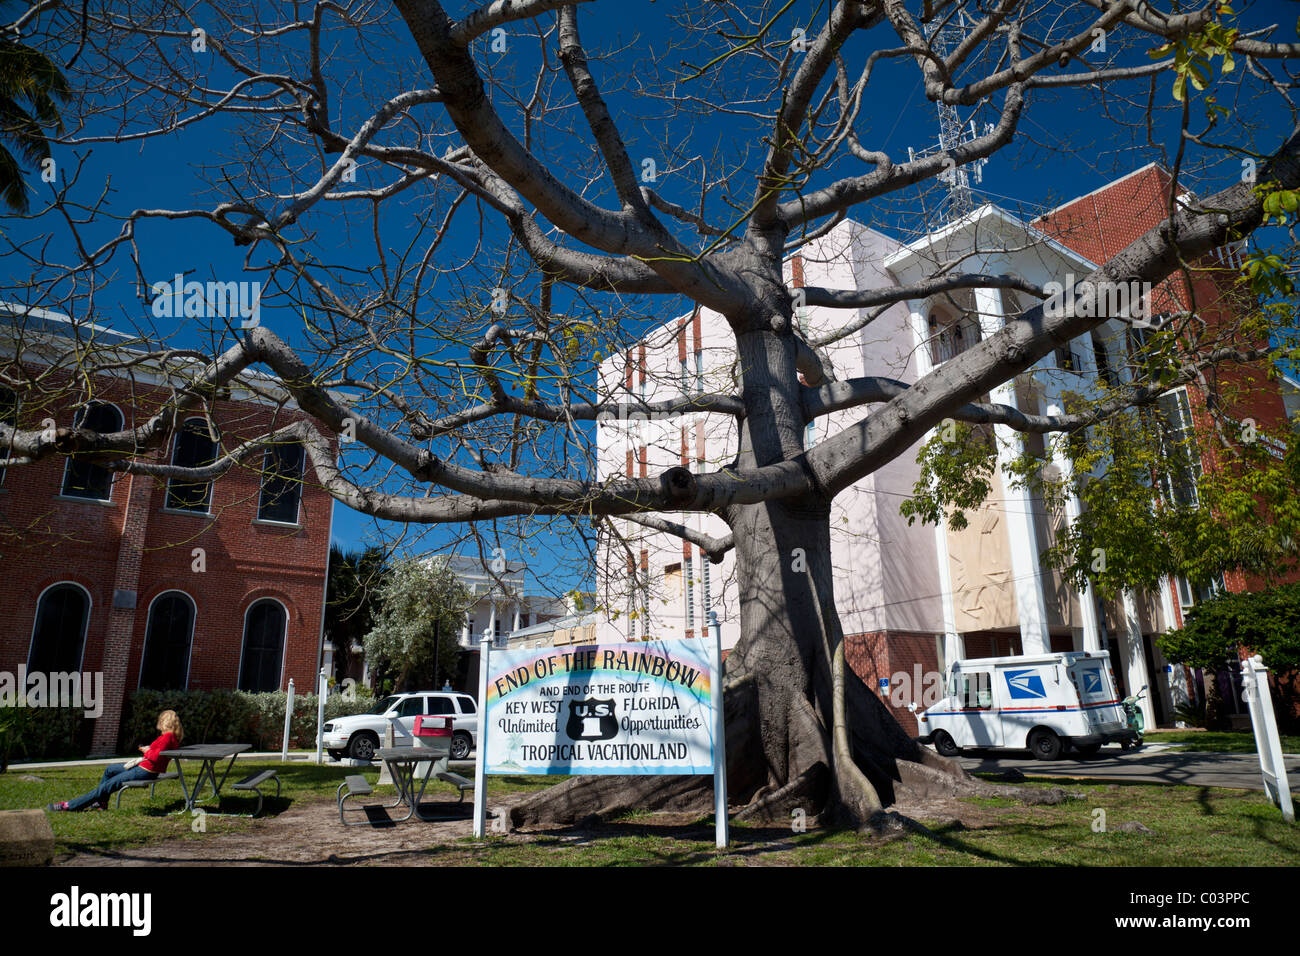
x=785 y=750
x=780 y=707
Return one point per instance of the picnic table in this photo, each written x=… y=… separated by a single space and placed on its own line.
x=403 y=764
x=209 y=755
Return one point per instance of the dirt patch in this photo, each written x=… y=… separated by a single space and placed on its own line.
x=936 y=813
x=308 y=833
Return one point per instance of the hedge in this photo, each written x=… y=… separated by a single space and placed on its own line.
x=41 y=733
x=225 y=716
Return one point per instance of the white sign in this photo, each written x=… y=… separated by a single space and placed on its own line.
x=642 y=708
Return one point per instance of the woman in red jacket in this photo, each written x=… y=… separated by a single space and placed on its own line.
x=146 y=767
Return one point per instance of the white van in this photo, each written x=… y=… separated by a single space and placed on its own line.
x=358 y=735
x=1045 y=703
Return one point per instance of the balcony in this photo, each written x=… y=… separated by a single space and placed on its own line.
x=949 y=338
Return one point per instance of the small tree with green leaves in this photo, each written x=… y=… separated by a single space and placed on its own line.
x=1264 y=622
x=422 y=606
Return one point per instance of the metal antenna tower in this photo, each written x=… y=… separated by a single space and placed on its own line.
x=944 y=36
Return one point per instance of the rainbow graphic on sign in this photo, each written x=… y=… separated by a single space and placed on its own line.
x=638 y=708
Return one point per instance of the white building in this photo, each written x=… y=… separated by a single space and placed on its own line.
x=506 y=601
x=908 y=595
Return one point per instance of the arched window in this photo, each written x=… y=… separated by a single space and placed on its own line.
x=193 y=448
x=59 y=636
x=167 y=639
x=85 y=479
x=281 y=483
x=264 y=626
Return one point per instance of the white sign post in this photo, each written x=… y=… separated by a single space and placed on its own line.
x=322 y=689
x=650 y=707
x=288 y=714
x=480 y=759
x=721 y=836
x=1254 y=680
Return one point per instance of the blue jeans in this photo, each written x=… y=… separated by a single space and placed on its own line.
x=116 y=776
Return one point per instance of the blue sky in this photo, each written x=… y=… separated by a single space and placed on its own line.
x=1069 y=147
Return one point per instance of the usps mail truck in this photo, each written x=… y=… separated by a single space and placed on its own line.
x=1046 y=704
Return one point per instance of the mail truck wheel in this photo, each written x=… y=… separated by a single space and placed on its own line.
x=945 y=744
x=1044 y=745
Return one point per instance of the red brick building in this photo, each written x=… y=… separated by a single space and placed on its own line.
x=156 y=583
x=1104 y=223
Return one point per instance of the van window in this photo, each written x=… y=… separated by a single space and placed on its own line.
x=411 y=707
x=977 y=690
x=467 y=705
x=439 y=706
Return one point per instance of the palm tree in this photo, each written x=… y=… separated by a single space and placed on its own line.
x=30 y=85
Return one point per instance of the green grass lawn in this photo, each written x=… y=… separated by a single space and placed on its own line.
x=141 y=820
x=1217 y=741
x=1191 y=826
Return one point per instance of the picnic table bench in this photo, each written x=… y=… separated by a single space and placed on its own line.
x=457 y=781
x=356 y=786
x=141 y=784
x=254 y=782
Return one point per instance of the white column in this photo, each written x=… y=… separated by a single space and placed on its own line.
x=1028 y=573
x=1133 y=659
x=1087 y=599
x=1175 y=678
x=492 y=619
x=954 y=645
x=514 y=617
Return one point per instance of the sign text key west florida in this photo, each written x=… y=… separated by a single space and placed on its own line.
x=645 y=708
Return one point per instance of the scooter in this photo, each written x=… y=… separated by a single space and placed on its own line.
x=1133 y=717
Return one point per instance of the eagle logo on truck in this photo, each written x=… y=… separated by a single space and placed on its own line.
x=1092 y=681
x=1025 y=685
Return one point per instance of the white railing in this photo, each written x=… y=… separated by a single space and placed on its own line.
x=1230 y=256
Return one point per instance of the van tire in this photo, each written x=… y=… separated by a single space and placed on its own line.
x=1044 y=745
x=461 y=745
x=363 y=745
x=946 y=746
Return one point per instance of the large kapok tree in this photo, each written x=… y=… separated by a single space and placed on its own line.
x=451 y=216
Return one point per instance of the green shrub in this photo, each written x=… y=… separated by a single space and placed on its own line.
x=224 y=716
x=34 y=733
